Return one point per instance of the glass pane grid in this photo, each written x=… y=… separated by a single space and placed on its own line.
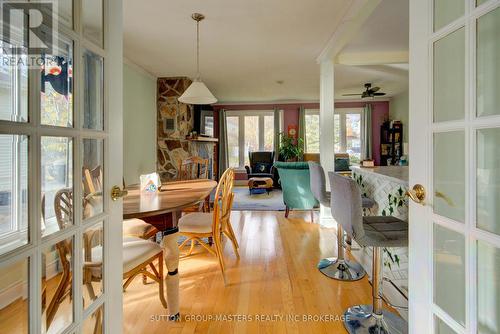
x=449 y=272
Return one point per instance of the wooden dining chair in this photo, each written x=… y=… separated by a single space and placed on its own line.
x=138 y=256
x=199 y=225
x=92 y=186
x=193 y=168
x=190 y=169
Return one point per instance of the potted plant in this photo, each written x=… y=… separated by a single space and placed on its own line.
x=290 y=149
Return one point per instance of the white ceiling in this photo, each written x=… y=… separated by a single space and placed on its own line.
x=386 y=31
x=247 y=46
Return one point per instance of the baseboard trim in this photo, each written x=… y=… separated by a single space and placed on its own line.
x=12 y=293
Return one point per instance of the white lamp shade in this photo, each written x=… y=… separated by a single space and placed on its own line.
x=197 y=93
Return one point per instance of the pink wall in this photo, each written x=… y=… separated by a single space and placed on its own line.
x=380 y=112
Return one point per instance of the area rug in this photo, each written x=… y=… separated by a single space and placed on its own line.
x=243 y=201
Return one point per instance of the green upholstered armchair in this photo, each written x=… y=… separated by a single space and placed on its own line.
x=294 y=179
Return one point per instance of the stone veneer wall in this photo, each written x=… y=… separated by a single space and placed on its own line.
x=172 y=146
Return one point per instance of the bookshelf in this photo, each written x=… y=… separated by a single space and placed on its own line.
x=391 y=142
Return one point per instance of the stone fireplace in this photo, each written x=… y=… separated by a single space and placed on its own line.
x=174 y=123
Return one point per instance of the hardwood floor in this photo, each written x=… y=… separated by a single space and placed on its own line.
x=276 y=276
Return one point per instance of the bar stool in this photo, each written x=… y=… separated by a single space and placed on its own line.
x=368 y=231
x=334 y=267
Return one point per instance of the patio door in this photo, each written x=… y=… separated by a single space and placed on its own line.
x=454 y=279
x=60 y=155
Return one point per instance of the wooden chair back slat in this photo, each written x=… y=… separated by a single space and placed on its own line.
x=193 y=168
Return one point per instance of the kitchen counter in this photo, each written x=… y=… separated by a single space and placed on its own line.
x=387 y=186
x=394 y=173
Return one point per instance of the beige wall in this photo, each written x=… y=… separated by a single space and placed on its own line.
x=139 y=123
x=398 y=110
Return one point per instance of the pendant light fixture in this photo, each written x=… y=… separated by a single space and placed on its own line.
x=197 y=92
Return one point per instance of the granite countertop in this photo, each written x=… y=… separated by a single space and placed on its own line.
x=395 y=173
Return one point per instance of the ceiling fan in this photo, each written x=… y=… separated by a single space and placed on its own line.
x=369 y=92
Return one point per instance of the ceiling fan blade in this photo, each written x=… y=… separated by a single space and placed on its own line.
x=350 y=94
x=375 y=89
x=378 y=94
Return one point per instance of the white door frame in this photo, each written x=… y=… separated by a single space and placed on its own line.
x=113 y=166
x=422 y=308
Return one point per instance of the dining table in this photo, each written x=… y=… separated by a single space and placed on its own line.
x=162 y=209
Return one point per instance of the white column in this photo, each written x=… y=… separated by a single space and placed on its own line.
x=326 y=138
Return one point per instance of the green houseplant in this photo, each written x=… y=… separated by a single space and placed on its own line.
x=290 y=149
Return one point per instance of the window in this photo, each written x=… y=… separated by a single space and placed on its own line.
x=312 y=131
x=347 y=132
x=248 y=131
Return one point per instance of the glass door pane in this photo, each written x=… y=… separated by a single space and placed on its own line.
x=488 y=65
x=13 y=88
x=93 y=106
x=446 y=11
x=57 y=87
x=57 y=292
x=57 y=177
x=251 y=136
x=488 y=288
x=93 y=260
x=14 y=230
x=14 y=308
x=92 y=176
x=92 y=21
x=488 y=180
x=449 y=175
x=449 y=77
x=449 y=272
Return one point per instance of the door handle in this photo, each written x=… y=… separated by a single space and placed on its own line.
x=417 y=194
x=117 y=193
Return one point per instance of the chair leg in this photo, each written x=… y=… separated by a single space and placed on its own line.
x=184 y=242
x=340 y=268
x=218 y=248
x=373 y=318
x=191 y=248
x=287 y=211
x=233 y=242
x=312 y=216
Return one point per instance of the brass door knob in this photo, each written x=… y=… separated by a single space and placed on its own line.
x=417 y=194
x=116 y=193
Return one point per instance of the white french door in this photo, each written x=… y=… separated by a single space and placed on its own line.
x=59 y=121
x=454 y=255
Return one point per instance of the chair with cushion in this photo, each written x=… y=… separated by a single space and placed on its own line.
x=261 y=164
x=368 y=231
x=138 y=255
x=92 y=192
x=296 y=185
x=202 y=225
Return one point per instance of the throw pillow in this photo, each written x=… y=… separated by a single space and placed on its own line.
x=342 y=165
x=261 y=167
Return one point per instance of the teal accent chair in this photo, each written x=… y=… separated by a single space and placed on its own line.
x=295 y=183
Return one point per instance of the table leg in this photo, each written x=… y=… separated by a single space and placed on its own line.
x=171 y=256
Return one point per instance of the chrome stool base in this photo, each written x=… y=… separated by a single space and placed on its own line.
x=342 y=270
x=360 y=320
